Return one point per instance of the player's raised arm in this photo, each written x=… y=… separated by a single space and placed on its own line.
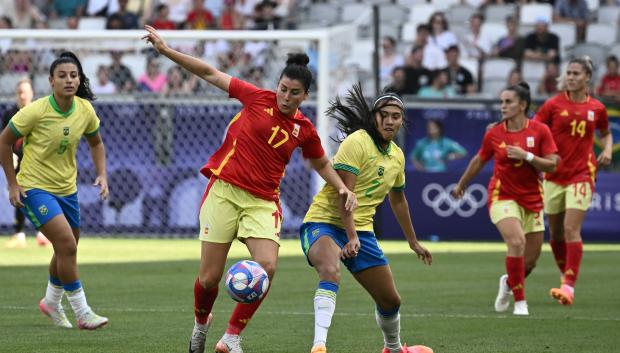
x=194 y=65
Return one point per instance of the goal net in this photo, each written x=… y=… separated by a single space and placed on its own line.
x=160 y=124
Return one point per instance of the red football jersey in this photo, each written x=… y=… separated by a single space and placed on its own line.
x=259 y=143
x=572 y=126
x=513 y=179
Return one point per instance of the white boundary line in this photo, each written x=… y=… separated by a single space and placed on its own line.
x=345 y=314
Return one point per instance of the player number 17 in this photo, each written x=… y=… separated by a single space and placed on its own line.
x=275 y=130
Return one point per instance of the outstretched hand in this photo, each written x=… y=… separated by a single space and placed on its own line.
x=16 y=193
x=153 y=37
x=102 y=182
x=351 y=200
x=422 y=252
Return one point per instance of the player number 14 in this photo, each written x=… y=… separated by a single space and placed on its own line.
x=578 y=128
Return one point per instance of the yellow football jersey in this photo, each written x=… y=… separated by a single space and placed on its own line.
x=51 y=138
x=378 y=171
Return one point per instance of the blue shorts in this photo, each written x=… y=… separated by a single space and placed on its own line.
x=40 y=206
x=369 y=255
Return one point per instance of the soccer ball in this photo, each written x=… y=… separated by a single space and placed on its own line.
x=246 y=281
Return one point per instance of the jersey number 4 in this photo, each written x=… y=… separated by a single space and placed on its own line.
x=278 y=143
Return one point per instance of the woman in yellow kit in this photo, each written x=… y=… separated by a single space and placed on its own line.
x=45 y=188
x=372 y=165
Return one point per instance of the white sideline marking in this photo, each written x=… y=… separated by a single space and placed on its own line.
x=370 y=314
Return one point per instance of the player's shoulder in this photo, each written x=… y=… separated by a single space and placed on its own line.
x=538 y=126
x=37 y=107
x=83 y=105
x=596 y=104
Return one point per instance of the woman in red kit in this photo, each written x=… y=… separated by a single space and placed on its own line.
x=242 y=197
x=572 y=116
x=520 y=148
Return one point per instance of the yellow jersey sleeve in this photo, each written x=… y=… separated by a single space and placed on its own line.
x=350 y=155
x=399 y=184
x=25 y=120
x=92 y=128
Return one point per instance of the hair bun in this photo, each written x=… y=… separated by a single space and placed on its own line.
x=297 y=59
x=524 y=85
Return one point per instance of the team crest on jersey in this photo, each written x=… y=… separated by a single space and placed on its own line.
x=564 y=113
x=590 y=115
x=381 y=171
x=296 y=128
x=206 y=231
x=43 y=210
x=529 y=141
x=65 y=131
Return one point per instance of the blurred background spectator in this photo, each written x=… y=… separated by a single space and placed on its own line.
x=102 y=85
x=439 y=88
x=512 y=44
x=432 y=153
x=610 y=82
x=440 y=33
x=120 y=74
x=573 y=11
x=199 y=17
x=389 y=58
x=153 y=80
x=541 y=44
x=548 y=85
x=458 y=76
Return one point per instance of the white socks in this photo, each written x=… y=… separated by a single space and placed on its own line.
x=324 y=307
x=390 y=326
x=53 y=294
x=77 y=299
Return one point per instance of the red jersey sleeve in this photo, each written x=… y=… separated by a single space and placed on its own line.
x=602 y=123
x=311 y=146
x=547 y=145
x=544 y=113
x=245 y=92
x=486 y=150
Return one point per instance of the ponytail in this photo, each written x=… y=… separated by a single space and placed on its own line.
x=83 y=90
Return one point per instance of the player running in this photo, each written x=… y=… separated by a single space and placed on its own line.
x=572 y=116
x=372 y=165
x=242 y=198
x=45 y=188
x=520 y=148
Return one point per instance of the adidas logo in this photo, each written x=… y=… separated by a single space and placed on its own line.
x=564 y=113
x=269 y=111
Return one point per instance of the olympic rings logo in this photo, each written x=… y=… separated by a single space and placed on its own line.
x=444 y=205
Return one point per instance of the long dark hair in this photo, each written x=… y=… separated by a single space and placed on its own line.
x=356 y=114
x=83 y=90
x=297 y=69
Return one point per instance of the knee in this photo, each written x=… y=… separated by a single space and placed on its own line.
x=269 y=267
x=65 y=246
x=571 y=232
x=329 y=273
x=209 y=279
x=516 y=244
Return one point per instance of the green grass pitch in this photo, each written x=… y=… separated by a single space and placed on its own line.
x=145 y=287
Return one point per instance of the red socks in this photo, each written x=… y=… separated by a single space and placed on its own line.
x=559 y=253
x=515 y=267
x=242 y=314
x=574 y=252
x=203 y=302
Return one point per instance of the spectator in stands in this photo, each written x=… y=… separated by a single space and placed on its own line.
x=514 y=77
x=541 y=44
x=114 y=22
x=178 y=83
x=67 y=8
x=512 y=44
x=5 y=43
x=24 y=15
x=153 y=80
x=103 y=85
x=548 y=85
x=199 y=17
x=399 y=81
x=475 y=45
x=416 y=75
x=256 y=76
x=440 y=33
x=389 y=58
x=120 y=74
x=161 y=20
x=178 y=10
x=439 y=88
x=610 y=83
x=432 y=153
x=459 y=77
x=128 y=19
x=231 y=18
x=265 y=16
x=433 y=56
x=573 y=11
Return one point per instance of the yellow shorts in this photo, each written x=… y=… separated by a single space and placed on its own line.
x=558 y=198
x=228 y=212
x=530 y=221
